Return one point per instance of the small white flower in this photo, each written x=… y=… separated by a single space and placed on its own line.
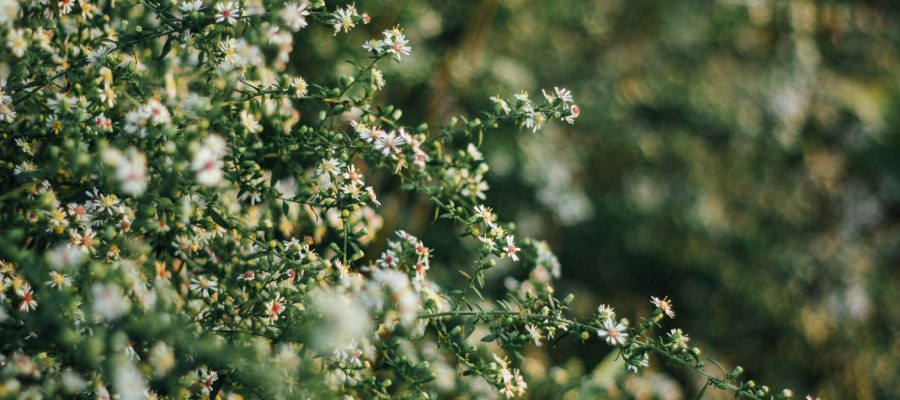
x=109 y=301
x=191 y=5
x=535 y=334
x=203 y=286
x=250 y=122
x=511 y=248
x=300 y=86
x=343 y=19
x=97 y=55
x=294 y=15
x=396 y=43
x=207 y=162
x=227 y=12
x=614 y=333
x=664 y=304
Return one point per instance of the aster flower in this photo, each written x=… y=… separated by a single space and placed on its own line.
x=535 y=334
x=189 y=6
x=511 y=248
x=203 y=286
x=664 y=304
x=395 y=43
x=227 y=13
x=294 y=15
x=613 y=332
x=343 y=19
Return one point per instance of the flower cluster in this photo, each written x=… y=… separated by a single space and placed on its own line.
x=183 y=218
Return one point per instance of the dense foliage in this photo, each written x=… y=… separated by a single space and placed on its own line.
x=192 y=202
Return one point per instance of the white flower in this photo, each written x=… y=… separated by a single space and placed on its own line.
x=97 y=55
x=207 y=162
x=329 y=166
x=207 y=378
x=227 y=12
x=9 y=11
x=343 y=19
x=203 y=286
x=131 y=171
x=396 y=43
x=535 y=334
x=605 y=312
x=354 y=176
x=374 y=45
x=191 y=5
x=389 y=143
x=343 y=319
x=294 y=15
x=511 y=248
x=129 y=382
x=300 y=86
x=614 y=333
x=250 y=122
x=109 y=301
x=663 y=304
x=16 y=42
x=563 y=94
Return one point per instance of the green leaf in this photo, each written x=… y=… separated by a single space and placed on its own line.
x=166 y=48
x=470 y=327
x=218 y=218
x=489 y=338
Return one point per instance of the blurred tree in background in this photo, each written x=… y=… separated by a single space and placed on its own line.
x=740 y=156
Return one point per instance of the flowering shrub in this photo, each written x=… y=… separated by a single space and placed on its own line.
x=186 y=216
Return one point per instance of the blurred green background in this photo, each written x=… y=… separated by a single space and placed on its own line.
x=740 y=156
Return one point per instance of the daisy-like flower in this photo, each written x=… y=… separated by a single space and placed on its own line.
x=374 y=46
x=574 y=112
x=207 y=379
x=605 y=312
x=486 y=214
x=97 y=55
x=16 y=42
x=227 y=12
x=535 y=334
x=488 y=243
x=395 y=42
x=65 y=6
x=354 y=176
x=203 y=286
x=563 y=94
x=613 y=332
x=229 y=53
x=300 y=87
x=372 y=197
x=207 y=162
x=511 y=248
x=294 y=15
x=189 y=6
x=250 y=122
x=664 y=304
x=29 y=303
x=24 y=167
x=274 y=308
x=131 y=171
x=343 y=19
x=330 y=166
x=58 y=280
x=83 y=240
x=389 y=143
